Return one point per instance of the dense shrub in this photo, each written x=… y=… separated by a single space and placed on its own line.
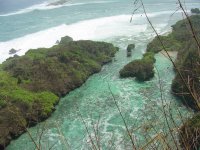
x=61 y=68
x=169 y=42
x=141 y=69
x=31 y=85
x=187 y=61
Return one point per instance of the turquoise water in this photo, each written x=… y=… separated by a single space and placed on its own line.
x=140 y=103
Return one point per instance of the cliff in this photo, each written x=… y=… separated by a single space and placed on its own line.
x=32 y=84
x=188 y=64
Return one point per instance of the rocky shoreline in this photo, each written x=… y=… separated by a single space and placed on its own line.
x=182 y=48
x=31 y=85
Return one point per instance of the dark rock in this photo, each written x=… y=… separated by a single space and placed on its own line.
x=195 y=11
x=13 y=51
x=65 y=40
x=130 y=47
x=129 y=54
x=57 y=42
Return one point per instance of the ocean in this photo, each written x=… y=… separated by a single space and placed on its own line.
x=32 y=24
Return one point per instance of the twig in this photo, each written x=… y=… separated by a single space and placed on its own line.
x=128 y=132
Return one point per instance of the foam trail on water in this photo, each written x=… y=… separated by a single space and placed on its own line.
x=46 y=6
x=95 y=29
x=28 y=9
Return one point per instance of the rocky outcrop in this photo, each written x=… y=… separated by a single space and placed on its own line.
x=129 y=49
x=141 y=69
x=13 y=51
x=187 y=85
x=30 y=85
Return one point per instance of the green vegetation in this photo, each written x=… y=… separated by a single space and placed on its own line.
x=195 y=11
x=11 y=92
x=169 y=42
x=141 y=69
x=65 y=40
x=32 y=84
x=190 y=131
x=20 y=107
x=188 y=59
x=187 y=62
x=61 y=68
x=176 y=40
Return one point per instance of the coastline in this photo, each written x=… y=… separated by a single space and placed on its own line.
x=101 y=55
x=54 y=109
x=186 y=78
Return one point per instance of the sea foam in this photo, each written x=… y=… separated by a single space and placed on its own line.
x=46 y=6
x=95 y=29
